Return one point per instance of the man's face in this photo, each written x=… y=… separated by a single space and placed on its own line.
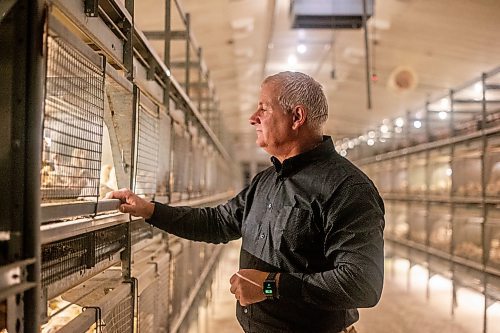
x=272 y=124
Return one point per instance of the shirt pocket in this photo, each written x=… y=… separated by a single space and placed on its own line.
x=294 y=229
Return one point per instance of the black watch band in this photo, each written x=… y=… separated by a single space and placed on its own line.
x=269 y=287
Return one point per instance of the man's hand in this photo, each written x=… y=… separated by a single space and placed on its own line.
x=247 y=288
x=132 y=204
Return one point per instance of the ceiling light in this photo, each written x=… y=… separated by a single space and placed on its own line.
x=442 y=115
x=370 y=142
x=371 y=134
x=350 y=144
x=399 y=122
x=444 y=103
x=449 y=172
x=292 y=59
x=417 y=124
x=343 y=153
x=301 y=48
x=478 y=87
x=384 y=128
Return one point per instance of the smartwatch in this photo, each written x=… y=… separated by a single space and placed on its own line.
x=269 y=287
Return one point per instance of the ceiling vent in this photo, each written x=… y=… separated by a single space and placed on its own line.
x=402 y=79
x=331 y=14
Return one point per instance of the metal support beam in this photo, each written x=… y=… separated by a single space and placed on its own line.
x=160 y=35
x=182 y=64
x=188 y=54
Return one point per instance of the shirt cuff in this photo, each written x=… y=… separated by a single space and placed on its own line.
x=290 y=286
x=161 y=214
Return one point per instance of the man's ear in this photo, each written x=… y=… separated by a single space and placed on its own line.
x=299 y=114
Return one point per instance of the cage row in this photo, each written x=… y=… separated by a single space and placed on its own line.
x=466 y=231
x=462 y=170
x=156 y=298
x=102 y=132
x=465 y=110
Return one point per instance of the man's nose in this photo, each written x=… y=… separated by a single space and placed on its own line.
x=254 y=119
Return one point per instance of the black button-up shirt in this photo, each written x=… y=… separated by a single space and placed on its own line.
x=319 y=221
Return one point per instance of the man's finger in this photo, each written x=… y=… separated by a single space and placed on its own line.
x=124 y=208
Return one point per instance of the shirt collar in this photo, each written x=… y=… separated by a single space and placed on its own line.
x=297 y=162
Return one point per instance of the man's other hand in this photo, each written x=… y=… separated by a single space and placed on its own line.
x=246 y=285
x=131 y=203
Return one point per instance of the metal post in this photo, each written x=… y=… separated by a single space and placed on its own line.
x=128 y=47
x=483 y=195
x=28 y=108
x=200 y=78
x=452 y=114
x=367 y=60
x=188 y=57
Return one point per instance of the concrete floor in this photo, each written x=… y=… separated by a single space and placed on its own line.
x=403 y=307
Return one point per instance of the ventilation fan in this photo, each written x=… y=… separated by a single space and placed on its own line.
x=402 y=79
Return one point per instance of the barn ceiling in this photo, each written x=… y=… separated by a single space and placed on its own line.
x=438 y=44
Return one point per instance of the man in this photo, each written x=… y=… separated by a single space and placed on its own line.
x=313 y=220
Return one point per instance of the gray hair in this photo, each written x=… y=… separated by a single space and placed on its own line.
x=297 y=88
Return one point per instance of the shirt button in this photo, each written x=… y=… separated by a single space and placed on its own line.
x=245 y=310
x=269 y=206
x=262 y=236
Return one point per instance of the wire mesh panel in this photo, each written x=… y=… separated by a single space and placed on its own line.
x=181 y=151
x=199 y=165
x=178 y=284
x=119 y=320
x=165 y=124
x=148 y=302
x=141 y=230
x=109 y=241
x=147 y=151
x=63 y=258
x=162 y=309
x=211 y=170
x=72 y=125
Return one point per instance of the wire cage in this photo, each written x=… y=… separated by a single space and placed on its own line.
x=63 y=258
x=181 y=158
x=418 y=222
x=147 y=148
x=179 y=284
x=163 y=305
x=440 y=229
x=148 y=302
x=467 y=232
x=141 y=230
x=165 y=136
x=439 y=172
x=72 y=125
x=198 y=169
x=120 y=318
x=492 y=237
x=492 y=167
x=467 y=169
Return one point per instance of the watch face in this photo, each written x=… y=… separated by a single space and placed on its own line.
x=269 y=288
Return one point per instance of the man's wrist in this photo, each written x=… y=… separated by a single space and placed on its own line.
x=270 y=286
x=150 y=209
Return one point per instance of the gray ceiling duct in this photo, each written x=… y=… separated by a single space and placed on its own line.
x=329 y=14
